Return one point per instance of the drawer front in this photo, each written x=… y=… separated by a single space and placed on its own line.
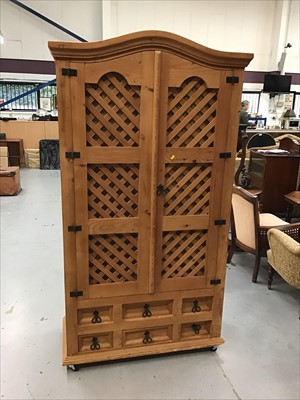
x=95 y=315
x=146 y=337
x=195 y=330
x=196 y=304
x=97 y=342
x=147 y=309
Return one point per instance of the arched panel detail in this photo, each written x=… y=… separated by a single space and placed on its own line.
x=191 y=116
x=112 y=112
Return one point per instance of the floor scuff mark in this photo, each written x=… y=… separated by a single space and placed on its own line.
x=11 y=310
x=226 y=377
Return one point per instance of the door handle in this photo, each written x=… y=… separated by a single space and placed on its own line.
x=161 y=190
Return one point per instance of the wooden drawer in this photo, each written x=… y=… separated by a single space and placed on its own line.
x=195 y=330
x=196 y=304
x=95 y=315
x=147 y=336
x=147 y=309
x=96 y=342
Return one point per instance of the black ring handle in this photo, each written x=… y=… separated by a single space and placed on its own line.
x=147 y=338
x=96 y=319
x=95 y=345
x=147 y=312
x=196 y=307
x=196 y=328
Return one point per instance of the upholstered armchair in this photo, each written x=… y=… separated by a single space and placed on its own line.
x=249 y=227
x=283 y=257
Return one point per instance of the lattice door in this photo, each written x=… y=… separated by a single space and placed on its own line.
x=112 y=188
x=151 y=122
x=186 y=174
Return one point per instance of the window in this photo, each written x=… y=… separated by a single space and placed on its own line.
x=297 y=104
x=9 y=90
x=253 y=98
x=31 y=102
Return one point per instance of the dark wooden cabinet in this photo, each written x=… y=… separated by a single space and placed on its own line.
x=276 y=175
x=15 y=151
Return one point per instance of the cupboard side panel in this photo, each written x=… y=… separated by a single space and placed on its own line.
x=68 y=203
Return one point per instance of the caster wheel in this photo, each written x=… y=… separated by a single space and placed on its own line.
x=214 y=348
x=73 y=367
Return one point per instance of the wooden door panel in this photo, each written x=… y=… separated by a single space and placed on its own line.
x=112 y=112
x=179 y=69
x=112 y=185
x=191 y=115
x=130 y=67
x=185 y=169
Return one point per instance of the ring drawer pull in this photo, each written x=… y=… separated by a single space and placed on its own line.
x=96 y=319
x=196 y=328
x=95 y=345
x=196 y=307
x=147 y=338
x=147 y=312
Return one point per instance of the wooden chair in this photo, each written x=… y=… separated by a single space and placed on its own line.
x=284 y=257
x=249 y=227
x=259 y=140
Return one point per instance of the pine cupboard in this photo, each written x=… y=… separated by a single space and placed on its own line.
x=148 y=127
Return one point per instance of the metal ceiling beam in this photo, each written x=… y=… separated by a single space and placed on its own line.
x=48 y=20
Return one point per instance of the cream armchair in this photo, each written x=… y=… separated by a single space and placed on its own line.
x=283 y=257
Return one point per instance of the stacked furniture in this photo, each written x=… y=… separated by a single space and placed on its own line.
x=249 y=227
x=148 y=129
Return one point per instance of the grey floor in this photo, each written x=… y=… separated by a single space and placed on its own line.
x=259 y=360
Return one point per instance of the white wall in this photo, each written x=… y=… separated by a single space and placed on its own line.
x=26 y=36
x=258 y=26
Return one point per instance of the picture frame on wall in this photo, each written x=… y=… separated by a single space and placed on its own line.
x=45 y=103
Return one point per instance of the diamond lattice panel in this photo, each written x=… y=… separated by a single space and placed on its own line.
x=188 y=189
x=183 y=254
x=112 y=112
x=113 y=258
x=191 y=115
x=113 y=191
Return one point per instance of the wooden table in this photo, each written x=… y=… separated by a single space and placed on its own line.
x=293 y=200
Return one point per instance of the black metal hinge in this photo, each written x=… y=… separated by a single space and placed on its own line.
x=232 y=79
x=69 y=72
x=72 y=154
x=76 y=293
x=74 y=228
x=215 y=281
x=225 y=155
x=220 y=222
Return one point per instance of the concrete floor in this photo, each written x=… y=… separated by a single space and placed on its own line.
x=259 y=360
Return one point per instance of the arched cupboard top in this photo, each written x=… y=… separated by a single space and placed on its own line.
x=147 y=41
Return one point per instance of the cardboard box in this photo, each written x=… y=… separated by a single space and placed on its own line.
x=3 y=158
x=10 y=184
x=32 y=158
